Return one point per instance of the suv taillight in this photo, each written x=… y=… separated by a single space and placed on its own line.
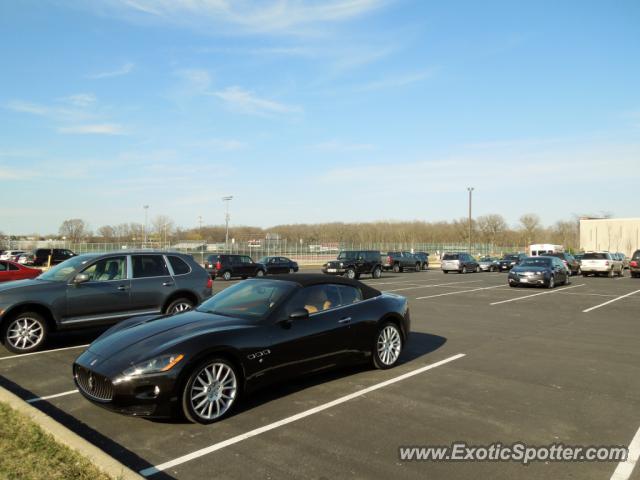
x=209 y=282
x=633 y=263
x=389 y=259
x=218 y=265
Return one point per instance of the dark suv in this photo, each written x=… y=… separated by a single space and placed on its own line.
x=98 y=289
x=569 y=261
x=58 y=255
x=353 y=263
x=229 y=266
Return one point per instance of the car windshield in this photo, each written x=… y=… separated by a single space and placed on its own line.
x=536 y=262
x=450 y=256
x=263 y=259
x=487 y=259
x=347 y=255
x=251 y=299
x=511 y=258
x=61 y=272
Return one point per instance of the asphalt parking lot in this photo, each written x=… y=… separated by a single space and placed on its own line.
x=487 y=363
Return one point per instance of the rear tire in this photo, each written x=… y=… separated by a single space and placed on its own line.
x=179 y=305
x=396 y=268
x=260 y=273
x=445 y=271
x=464 y=269
x=477 y=270
x=610 y=273
x=418 y=267
x=25 y=333
x=377 y=272
x=227 y=275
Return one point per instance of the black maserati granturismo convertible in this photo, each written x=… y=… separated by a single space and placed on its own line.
x=258 y=331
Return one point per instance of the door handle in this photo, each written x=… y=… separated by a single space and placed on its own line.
x=167 y=284
x=122 y=287
x=344 y=320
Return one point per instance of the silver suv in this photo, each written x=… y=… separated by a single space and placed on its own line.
x=601 y=263
x=459 y=262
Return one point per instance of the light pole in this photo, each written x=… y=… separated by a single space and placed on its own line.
x=146 y=212
x=226 y=200
x=470 y=190
x=200 y=230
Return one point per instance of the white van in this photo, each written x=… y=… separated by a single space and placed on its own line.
x=544 y=249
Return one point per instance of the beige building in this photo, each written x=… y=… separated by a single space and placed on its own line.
x=612 y=234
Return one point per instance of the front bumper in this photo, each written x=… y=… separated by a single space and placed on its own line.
x=535 y=280
x=596 y=269
x=333 y=270
x=505 y=267
x=144 y=396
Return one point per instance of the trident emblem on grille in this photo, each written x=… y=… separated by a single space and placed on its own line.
x=91 y=382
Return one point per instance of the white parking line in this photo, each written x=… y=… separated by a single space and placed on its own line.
x=610 y=301
x=48 y=397
x=538 y=294
x=624 y=469
x=427 y=286
x=285 y=421
x=43 y=351
x=463 y=291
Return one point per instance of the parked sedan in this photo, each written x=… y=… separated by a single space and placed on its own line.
x=539 y=271
x=14 y=271
x=252 y=334
x=508 y=261
x=489 y=264
x=98 y=289
x=279 y=265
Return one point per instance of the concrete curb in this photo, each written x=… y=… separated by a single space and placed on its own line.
x=62 y=434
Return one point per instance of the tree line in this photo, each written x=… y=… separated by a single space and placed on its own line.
x=492 y=229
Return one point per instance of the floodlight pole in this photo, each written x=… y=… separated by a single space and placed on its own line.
x=227 y=200
x=470 y=190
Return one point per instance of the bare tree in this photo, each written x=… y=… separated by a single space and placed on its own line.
x=162 y=227
x=107 y=233
x=74 y=229
x=531 y=226
x=492 y=227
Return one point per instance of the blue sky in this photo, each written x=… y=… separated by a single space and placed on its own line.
x=310 y=111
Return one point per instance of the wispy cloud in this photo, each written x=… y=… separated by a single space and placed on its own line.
x=81 y=100
x=245 y=101
x=398 y=80
x=94 y=129
x=339 y=146
x=125 y=69
x=273 y=16
x=28 y=107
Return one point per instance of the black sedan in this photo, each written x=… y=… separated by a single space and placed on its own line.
x=249 y=335
x=539 y=271
x=508 y=261
x=279 y=265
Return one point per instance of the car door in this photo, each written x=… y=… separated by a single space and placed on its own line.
x=314 y=343
x=284 y=265
x=273 y=265
x=104 y=298
x=151 y=283
x=248 y=266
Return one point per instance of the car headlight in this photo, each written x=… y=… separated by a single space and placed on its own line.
x=341 y=264
x=155 y=365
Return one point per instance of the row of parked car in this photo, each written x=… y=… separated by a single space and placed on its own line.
x=354 y=263
x=39 y=257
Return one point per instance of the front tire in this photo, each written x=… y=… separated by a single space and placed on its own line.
x=377 y=272
x=350 y=273
x=388 y=346
x=210 y=392
x=260 y=273
x=178 y=306
x=418 y=267
x=396 y=268
x=25 y=333
x=552 y=282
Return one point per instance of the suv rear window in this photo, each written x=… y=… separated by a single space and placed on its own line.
x=178 y=265
x=595 y=256
x=451 y=256
x=636 y=255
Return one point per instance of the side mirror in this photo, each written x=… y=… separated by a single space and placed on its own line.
x=302 y=314
x=81 y=278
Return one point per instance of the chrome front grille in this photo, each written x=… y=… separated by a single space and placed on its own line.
x=94 y=385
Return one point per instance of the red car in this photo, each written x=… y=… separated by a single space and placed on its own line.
x=14 y=271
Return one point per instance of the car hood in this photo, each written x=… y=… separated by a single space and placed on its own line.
x=20 y=284
x=522 y=268
x=142 y=337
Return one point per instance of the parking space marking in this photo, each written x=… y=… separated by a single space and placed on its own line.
x=610 y=301
x=257 y=431
x=22 y=355
x=624 y=469
x=463 y=291
x=436 y=285
x=49 y=397
x=538 y=294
